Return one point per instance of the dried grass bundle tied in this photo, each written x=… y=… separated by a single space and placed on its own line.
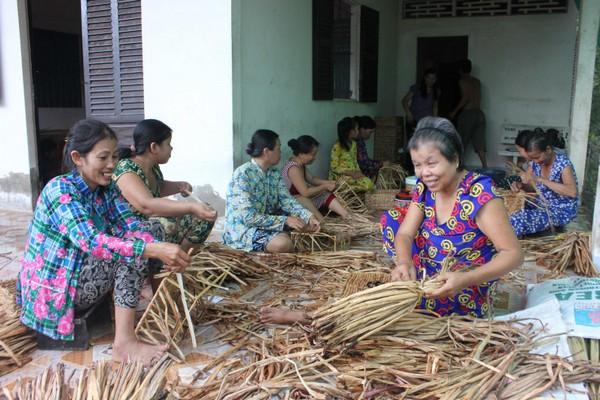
x=363 y=314
x=16 y=340
x=391 y=177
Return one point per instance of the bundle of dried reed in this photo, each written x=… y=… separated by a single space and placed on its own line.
x=570 y=250
x=391 y=177
x=587 y=350
x=363 y=314
x=349 y=199
x=16 y=340
x=309 y=242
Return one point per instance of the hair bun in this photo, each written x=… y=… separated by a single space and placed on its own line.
x=250 y=148
x=293 y=143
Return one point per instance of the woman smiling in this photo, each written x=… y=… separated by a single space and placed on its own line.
x=453 y=213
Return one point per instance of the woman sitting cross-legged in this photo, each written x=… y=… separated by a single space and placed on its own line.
x=312 y=192
x=453 y=213
x=141 y=182
x=259 y=208
x=344 y=162
x=84 y=242
x=553 y=175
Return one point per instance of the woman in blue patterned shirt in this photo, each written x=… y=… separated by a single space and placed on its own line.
x=84 y=242
x=259 y=207
x=553 y=175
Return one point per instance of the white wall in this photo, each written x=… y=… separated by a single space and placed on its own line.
x=15 y=189
x=525 y=64
x=188 y=85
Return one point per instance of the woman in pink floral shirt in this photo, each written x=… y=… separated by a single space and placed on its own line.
x=84 y=242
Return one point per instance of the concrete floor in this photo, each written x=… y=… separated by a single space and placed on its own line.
x=13 y=233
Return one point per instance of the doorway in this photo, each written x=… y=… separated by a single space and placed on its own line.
x=443 y=54
x=56 y=60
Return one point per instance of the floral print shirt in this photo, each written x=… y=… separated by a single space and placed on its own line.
x=257 y=200
x=368 y=166
x=459 y=237
x=72 y=222
x=127 y=165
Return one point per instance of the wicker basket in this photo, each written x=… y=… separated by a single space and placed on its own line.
x=381 y=199
x=513 y=201
x=364 y=280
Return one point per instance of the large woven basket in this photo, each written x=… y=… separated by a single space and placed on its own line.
x=380 y=199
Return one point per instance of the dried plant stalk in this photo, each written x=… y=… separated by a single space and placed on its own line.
x=310 y=242
x=559 y=253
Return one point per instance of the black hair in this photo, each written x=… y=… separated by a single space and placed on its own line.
x=261 y=139
x=82 y=138
x=303 y=145
x=423 y=86
x=344 y=126
x=145 y=133
x=522 y=138
x=541 y=140
x=442 y=133
x=465 y=66
x=365 y=122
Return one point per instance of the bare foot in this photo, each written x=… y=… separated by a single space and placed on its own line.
x=284 y=316
x=144 y=353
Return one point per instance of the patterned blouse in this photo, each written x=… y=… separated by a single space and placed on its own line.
x=368 y=166
x=70 y=223
x=459 y=237
x=562 y=208
x=128 y=165
x=256 y=200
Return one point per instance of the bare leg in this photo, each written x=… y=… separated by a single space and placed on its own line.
x=308 y=204
x=126 y=347
x=282 y=243
x=285 y=316
x=338 y=208
x=482 y=158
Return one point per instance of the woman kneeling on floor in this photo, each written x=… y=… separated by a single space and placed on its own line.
x=313 y=193
x=141 y=182
x=453 y=213
x=259 y=208
x=553 y=175
x=84 y=242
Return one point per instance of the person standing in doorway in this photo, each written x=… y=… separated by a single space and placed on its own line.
x=471 y=120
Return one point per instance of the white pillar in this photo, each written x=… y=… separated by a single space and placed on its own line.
x=596 y=226
x=584 y=84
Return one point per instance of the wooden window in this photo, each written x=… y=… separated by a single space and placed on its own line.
x=345 y=51
x=112 y=58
